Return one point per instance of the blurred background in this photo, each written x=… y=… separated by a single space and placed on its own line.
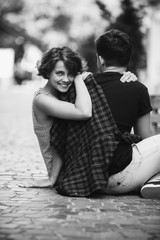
x=28 y=28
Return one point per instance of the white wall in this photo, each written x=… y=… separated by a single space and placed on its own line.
x=6 y=67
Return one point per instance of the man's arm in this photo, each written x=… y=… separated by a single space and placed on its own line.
x=142 y=126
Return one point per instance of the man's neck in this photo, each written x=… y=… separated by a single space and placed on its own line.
x=115 y=69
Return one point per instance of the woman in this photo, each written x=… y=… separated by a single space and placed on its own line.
x=61 y=67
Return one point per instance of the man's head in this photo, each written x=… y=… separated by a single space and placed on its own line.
x=114 y=48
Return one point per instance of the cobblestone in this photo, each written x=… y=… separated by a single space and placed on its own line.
x=42 y=214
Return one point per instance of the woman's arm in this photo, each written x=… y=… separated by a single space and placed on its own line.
x=82 y=109
x=56 y=168
x=128 y=77
x=83 y=101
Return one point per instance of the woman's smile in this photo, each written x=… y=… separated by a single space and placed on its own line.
x=64 y=84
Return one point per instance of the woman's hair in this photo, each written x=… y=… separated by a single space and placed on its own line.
x=73 y=62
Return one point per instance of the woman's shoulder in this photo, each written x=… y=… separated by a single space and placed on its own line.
x=44 y=99
x=39 y=96
x=41 y=91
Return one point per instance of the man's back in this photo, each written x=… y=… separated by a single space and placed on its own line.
x=127 y=101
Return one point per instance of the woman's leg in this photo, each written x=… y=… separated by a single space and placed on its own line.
x=36 y=183
x=53 y=169
x=145 y=163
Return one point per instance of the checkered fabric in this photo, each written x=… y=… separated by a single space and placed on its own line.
x=87 y=146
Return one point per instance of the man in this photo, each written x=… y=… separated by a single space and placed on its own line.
x=132 y=165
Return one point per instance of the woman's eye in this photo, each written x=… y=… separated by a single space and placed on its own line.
x=59 y=73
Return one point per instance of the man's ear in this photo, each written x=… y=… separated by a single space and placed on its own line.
x=101 y=60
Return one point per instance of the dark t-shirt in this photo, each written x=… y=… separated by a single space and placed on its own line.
x=128 y=102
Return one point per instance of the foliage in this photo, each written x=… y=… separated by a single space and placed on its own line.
x=129 y=21
x=10 y=6
x=58 y=22
x=72 y=23
x=6 y=7
x=88 y=51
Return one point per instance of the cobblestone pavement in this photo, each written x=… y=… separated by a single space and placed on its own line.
x=42 y=214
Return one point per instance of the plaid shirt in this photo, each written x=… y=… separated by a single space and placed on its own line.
x=87 y=146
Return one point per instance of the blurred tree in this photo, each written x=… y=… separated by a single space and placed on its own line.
x=10 y=31
x=104 y=11
x=7 y=6
x=61 y=22
x=129 y=21
x=88 y=51
x=13 y=36
x=153 y=2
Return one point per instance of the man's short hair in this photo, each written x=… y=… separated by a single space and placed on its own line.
x=115 y=47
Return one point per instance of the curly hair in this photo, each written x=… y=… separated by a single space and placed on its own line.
x=73 y=62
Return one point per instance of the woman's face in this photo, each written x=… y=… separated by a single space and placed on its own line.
x=60 y=79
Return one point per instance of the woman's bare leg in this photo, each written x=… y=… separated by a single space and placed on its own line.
x=51 y=179
x=37 y=183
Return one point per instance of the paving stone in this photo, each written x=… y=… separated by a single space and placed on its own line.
x=42 y=214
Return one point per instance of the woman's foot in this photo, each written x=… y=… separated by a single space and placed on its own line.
x=151 y=189
x=37 y=183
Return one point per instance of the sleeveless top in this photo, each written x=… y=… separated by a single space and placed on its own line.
x=43 y=135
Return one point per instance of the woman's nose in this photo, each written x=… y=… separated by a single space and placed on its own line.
x=65 y=79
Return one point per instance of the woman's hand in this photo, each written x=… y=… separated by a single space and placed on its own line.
x=128 y=77
x=85 y=75
x=78 y=77
x=82 y=76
